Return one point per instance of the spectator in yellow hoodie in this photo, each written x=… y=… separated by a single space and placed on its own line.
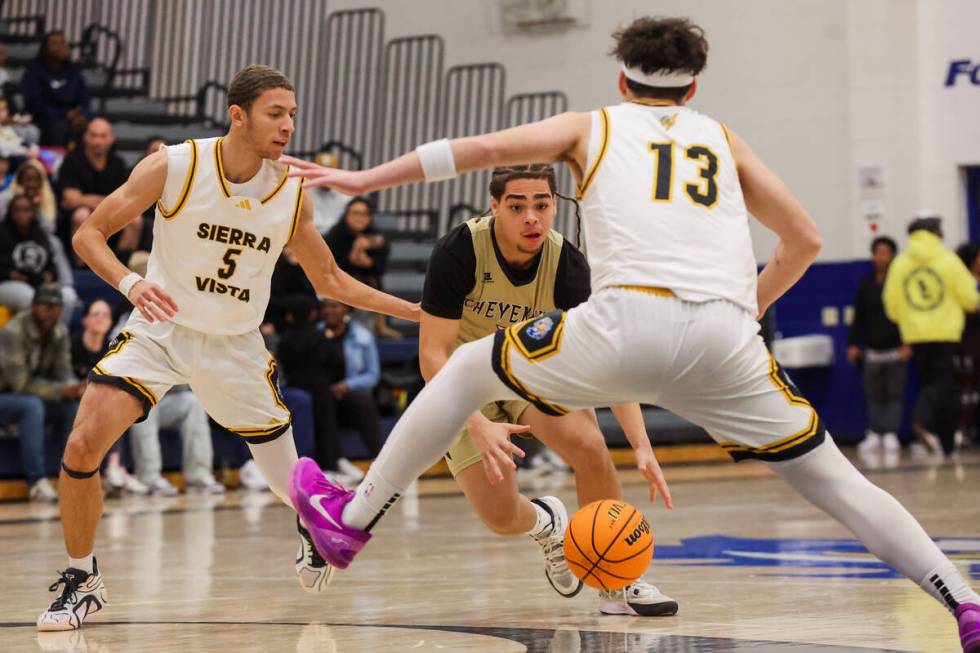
x=927 y=293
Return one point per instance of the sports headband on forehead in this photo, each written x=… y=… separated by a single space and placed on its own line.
x=658 y=79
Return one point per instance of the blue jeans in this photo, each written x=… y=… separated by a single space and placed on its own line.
x=28 y=412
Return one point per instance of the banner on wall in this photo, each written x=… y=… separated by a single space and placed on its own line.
x=963 y=71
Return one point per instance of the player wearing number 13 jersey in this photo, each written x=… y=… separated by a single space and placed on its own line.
x=225 y=209
x=672 y=318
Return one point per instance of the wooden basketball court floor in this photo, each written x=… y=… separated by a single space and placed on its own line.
x=753 y=567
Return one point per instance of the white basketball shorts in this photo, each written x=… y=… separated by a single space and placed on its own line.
x=704 y=362
x=234 y=377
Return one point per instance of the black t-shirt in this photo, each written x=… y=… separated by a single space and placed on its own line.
x=76 y=171
x=871 y=326
x=82 y=358
x=452 y=275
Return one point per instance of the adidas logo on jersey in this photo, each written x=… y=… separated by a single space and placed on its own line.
x=244 y=204
x=487 y=278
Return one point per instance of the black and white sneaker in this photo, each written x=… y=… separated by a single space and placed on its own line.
x=552 y=543
x=641 y=599
x=313 y=572
x=83 y=593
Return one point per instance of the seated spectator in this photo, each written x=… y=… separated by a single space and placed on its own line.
x=290 y=290
x=87 y=348
x=31 y=180
x=12 y=143
x=361 y=251
x=329 y=205
x=27 y=259
x=308 y=362
x=153 y=143
x=354 y=392
x=55 y=93
x=35 y=359
x=87 y=175
x=27 y=412
x=178 y=409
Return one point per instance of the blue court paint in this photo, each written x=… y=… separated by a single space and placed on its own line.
x=849 y=558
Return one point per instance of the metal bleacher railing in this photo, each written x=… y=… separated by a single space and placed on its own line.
x=160 y=66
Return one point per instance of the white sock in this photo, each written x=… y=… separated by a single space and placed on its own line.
x=84 y=563
x=544 y=523
x=829 y=481
x=946 y=585
x=427 y=429
x=275 y=459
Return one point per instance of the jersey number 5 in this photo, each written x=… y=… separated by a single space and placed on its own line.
x=703 y=191
x=231 y=264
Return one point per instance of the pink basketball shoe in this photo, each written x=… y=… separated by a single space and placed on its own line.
x=320 y=504
x=968 y=617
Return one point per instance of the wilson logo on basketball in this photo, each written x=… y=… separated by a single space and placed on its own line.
x=637 y=533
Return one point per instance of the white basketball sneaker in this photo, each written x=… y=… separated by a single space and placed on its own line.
x=552 y=543
x=83 y=593
x=313 y=572
x=641 y=599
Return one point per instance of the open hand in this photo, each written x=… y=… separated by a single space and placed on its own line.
x=647 y=463
x=351 y=182
x=152 y=301
x=493 y=442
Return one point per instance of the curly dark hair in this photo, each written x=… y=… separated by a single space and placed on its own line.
x=655 y=44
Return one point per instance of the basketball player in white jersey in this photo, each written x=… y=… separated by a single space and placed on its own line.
x=672 y=319
x=225 y=208
x=489 y=273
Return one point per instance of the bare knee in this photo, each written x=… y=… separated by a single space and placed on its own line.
x=589 y=456
x=83 y=451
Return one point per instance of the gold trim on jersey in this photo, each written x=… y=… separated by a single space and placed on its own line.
x=282 y=182
x=587 y=180
x=519 y=387
x=122 y=340
x=776 y=378
x=650 y=290
x=270 y=377
x=185 y=191
x=810 y=430
x=130 y=381
x=296 y=212
x=221 y=170
x=728 y=137
x=650 y=102
x=258 y=432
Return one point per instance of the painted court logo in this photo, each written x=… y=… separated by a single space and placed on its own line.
x=539 y=329
x=813 y=558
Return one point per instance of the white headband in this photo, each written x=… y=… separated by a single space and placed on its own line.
x=658 y=80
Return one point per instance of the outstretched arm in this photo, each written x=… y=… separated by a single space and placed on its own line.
x=125 y=204
x=630 y=417
x=773 y=204
x=330 y=281
x=561 y=138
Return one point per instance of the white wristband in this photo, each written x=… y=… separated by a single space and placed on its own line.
x=437 y=160
x=127 y=283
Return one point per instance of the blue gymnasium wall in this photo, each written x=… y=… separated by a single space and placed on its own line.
x=836 y=392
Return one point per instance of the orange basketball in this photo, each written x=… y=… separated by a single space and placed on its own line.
x=609 y=544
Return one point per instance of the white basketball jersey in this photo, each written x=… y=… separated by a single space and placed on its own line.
x=663 y=205
x=215 y=243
